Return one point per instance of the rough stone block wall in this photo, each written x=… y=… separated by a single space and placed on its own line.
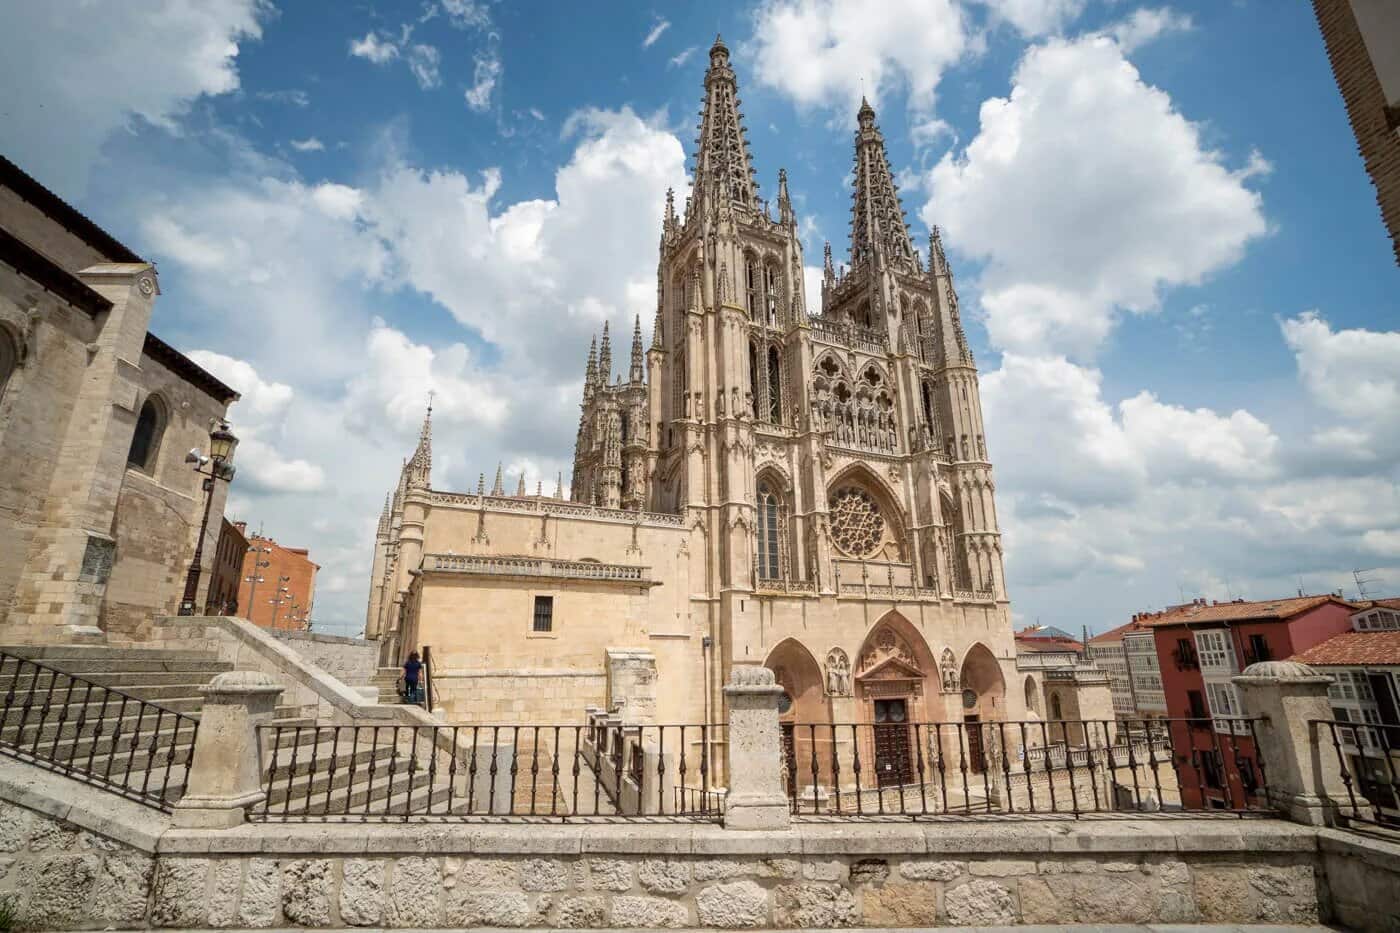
x=57 y=876
x=729 y=892
x=353 y=661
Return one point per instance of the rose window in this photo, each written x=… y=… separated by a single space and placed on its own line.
x=856 y=525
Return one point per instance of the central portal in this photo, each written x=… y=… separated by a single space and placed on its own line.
x=892 y=742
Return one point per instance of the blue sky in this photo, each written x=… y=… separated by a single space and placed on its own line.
x=1174 y=273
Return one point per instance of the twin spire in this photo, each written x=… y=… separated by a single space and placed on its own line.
x=722 y=161
x=598 y=372
x=877 y=217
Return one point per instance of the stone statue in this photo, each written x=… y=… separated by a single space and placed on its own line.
x=838 y=673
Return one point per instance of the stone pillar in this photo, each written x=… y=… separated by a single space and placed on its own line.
x=757 y=797
x=632 y=685
x=1303 y=772
x=227 y=765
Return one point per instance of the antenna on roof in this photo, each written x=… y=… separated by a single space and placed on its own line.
x=1363 y=582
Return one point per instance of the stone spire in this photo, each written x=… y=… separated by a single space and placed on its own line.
x=497 y=489
x=559 y=486
x=605 y=358
x=942 y=275
x=384 y=517
x=420 y=466
x=590 y=374
x=520 y=489
x=722 y=159
x=637 y=375
x=669 y=222
x=785 y=214
x=937 y=260
x=877 y=218
x=828 y=269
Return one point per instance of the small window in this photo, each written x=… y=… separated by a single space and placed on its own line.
x=145 y=440
x=1197 y=703
x=544 y=614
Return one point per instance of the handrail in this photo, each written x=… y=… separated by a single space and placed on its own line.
x=65 y=745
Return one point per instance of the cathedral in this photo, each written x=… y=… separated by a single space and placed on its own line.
x=759 y=484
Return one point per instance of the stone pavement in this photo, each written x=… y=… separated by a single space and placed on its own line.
x=1076 y=928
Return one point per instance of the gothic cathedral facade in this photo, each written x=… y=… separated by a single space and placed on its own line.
x=764 y=485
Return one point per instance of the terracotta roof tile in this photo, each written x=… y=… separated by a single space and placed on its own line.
x=1240 y=611
x=1116 y=634
x=1355 y=648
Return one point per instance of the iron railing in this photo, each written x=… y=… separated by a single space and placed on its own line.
x=1069 y=768
x=1368 y=757
x=603 y=769
x=94 y=733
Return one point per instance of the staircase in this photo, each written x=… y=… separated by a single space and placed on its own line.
x=125 y=719
x=386 y=679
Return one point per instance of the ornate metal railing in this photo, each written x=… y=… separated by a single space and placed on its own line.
x=1065 y=768
x=1368 y=758
x=94 y=733
x=602 y=769
x=536 y=567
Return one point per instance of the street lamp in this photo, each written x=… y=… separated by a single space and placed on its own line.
x=220 y=464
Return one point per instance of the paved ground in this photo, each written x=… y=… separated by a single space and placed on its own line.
x=1076 y=928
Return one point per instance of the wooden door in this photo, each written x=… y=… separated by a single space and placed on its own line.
x=892 y=752
x=975 y=760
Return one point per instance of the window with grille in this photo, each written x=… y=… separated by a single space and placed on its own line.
x=544 y=614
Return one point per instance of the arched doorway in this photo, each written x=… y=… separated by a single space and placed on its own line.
x=983 y=701
x=802 y=714
x=895 y=674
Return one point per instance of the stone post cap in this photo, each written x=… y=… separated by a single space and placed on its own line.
x=1265 y=672
x=751 y=678
x=241 y=683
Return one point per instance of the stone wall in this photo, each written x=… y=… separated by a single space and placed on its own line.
x=1363 y=880
x=351 y=660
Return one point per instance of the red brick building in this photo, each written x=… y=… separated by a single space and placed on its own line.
x=1201 y=646
x=278 y=585
x=227 y=572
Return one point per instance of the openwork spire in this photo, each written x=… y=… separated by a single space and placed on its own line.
x=638 y=372
x=590 y=374
x=877 y=218
x=605 y=358
x=497 y=489
x=722 y=159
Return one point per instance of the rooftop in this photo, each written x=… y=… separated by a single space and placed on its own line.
x=1238 y=610
x=1116 y=634
x=1379 y=649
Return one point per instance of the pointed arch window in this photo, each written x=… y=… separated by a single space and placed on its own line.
x=928 y=405
x=753 y=380
x=751 y=285
x=772 y=523
x=775 y=386
x=770 y=295
x=145 y=440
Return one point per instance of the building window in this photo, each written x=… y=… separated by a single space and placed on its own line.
x=775 y=385
x=1215 y=651
x=145 y=441
x=544 y=614
x=770 y=532
x=1197 y=704
x=1259 y=649
x=9 y=358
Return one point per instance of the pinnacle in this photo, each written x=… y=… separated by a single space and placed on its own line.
x=497 y=490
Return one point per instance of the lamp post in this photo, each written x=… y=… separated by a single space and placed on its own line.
x=220 y=463
x=256 y=577
x=283 y=595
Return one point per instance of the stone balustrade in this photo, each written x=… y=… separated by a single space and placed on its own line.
x=547 y=506
x=537 y=567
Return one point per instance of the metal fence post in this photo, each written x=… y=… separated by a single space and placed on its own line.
x=1304 y=777
x=757 y=797
x=226 y=768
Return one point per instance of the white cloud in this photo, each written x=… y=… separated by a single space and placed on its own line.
x=1086 y=193
x=680 y=58
x=1033 y=18
x=1354 y=375
x=118 y=61
x=1146 y=25
x=423 y=61
x=485 y=74
x=258 y=419
x=1177 y=442
x=375 y=47
x=310 y=144
x=829 y=52
x=467 y=14
x=655 y=33
x=293 y=96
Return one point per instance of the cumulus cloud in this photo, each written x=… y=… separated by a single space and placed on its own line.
x=1086 y=193
x=821 y=52
x=1353 y=375
x=683 y=56
x=109 y=74
x=1148 y=24
x=310 y=144
x=1033 y=18
x=423 y=61
x=258 y=419
x=375 y=47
